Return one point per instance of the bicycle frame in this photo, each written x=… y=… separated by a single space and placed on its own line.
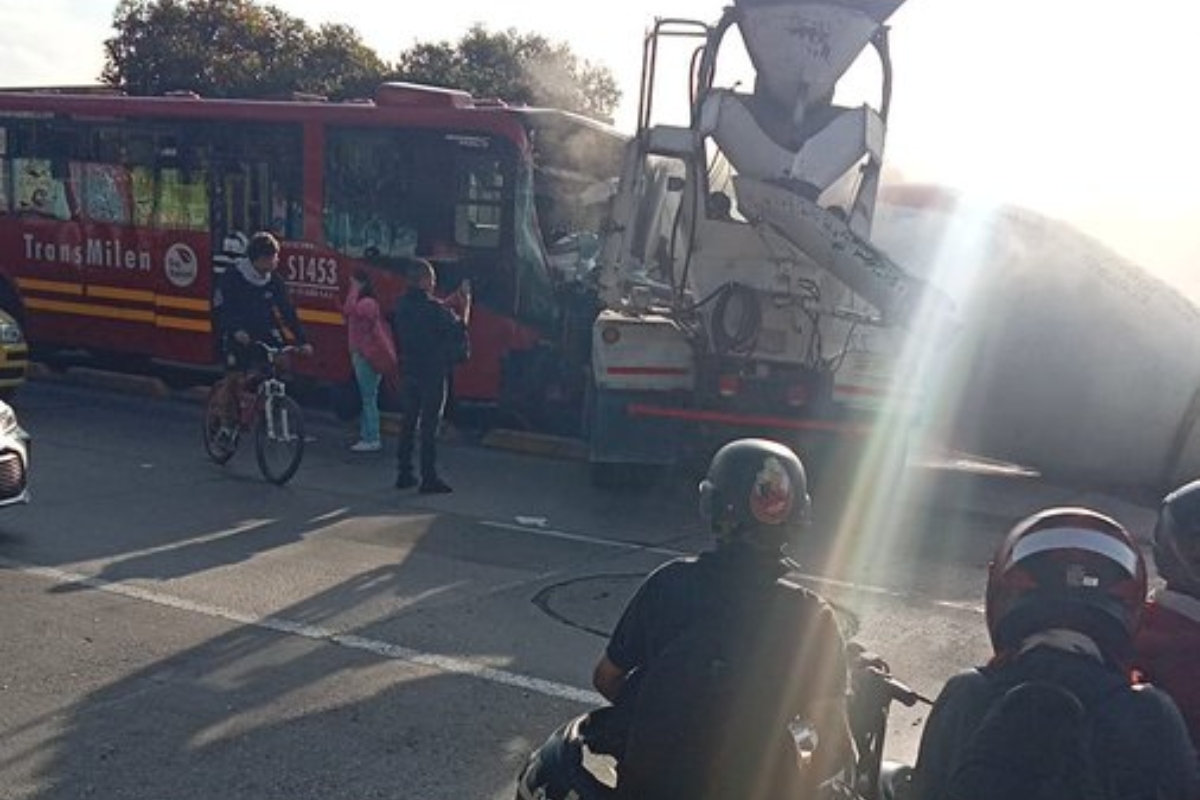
x=261 y=389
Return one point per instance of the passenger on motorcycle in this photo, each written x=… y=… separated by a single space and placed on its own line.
x=1168 y=642
x=1054 y=714
x=717 y=655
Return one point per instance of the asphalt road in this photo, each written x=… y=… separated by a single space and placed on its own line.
x=177 y=629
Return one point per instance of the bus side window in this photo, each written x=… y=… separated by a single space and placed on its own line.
x=37 y=191
x=101 y=192
x=258 y=180
x=478 y=211
x=371 y=200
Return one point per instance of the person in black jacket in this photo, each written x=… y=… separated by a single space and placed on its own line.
x=1064 y=597
x=429 y=336
x=781 y=656
x=249 y=304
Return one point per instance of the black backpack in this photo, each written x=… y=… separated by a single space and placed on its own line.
x=701 y=725
x=1034 y=743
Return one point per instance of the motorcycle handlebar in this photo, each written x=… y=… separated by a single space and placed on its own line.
x=896 y=690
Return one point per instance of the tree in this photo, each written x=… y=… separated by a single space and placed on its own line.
x=517 y=68
x=234 y=48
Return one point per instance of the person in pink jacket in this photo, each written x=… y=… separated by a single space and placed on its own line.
x=373 y=354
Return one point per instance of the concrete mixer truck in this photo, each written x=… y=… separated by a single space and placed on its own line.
x=741 y=293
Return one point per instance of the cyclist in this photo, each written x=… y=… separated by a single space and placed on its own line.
x=249 y=304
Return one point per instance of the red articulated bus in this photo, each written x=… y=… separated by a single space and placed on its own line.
x=113 y=211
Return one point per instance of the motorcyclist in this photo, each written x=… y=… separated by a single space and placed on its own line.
x=1168 y=642
x=754 y=497
x=1064 y=596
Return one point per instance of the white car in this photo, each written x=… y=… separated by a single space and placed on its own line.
x=14 y=458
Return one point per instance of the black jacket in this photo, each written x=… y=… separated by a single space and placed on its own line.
x=427 y=334
x=256 y=304
x=1139 y=742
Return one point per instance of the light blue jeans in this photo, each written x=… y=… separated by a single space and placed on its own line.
x=368 y=387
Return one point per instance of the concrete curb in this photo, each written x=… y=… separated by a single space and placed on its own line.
x=525 y=442
x=537 y=444
x=118 y=382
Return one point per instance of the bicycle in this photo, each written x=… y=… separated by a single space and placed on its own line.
x=264 y=408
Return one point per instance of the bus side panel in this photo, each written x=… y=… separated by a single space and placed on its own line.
x=318 y=279
x=42 y=259
x=148 y=292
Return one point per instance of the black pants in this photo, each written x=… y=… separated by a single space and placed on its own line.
x=422 y=399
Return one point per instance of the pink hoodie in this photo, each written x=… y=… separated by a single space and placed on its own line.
x=365 y=330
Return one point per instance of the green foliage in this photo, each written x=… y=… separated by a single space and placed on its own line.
x=517 y=68
x=234 y=48
x=238 y=48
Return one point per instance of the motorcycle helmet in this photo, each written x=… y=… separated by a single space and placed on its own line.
x=1177 y=539
x=1066 y=568
x=756 y=491
x=556 y=770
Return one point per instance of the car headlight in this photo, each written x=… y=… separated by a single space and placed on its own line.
x=8 y=420
x=10 y=333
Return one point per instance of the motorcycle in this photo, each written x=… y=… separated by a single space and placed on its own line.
x=578 y=760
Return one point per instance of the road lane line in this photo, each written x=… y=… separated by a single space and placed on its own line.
x=450 y=664
x=551 y=533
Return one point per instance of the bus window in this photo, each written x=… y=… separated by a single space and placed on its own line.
x=258 y=183
x=372 y=193
x=33 y=175
x=478 y=212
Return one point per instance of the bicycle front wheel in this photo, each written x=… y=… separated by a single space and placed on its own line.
x=219 y=448
x=279 y=439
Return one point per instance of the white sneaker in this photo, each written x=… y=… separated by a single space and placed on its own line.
x=366 y=447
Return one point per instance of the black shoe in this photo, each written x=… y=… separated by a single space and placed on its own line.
x=435 y=486
x=405 y=481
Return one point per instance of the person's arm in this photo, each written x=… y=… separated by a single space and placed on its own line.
x=608 y=678
x=626 y=649
x=283 y=304
x=827 y=710
x=944 y=734
x=348 y=308
x=227 y=309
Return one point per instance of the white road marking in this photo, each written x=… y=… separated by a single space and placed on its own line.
x=457 y=666
x=449 y=664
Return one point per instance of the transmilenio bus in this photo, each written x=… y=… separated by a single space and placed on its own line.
x=113 y=211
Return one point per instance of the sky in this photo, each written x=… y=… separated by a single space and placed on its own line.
x=1079 y=109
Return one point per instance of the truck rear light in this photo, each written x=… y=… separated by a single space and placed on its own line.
x=797 y=395
x=610 y=335
x=728 y=385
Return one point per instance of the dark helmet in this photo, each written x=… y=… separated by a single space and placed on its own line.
x=755 y=491
x=1177 y=539
x=556 y=770
x=1066 y=568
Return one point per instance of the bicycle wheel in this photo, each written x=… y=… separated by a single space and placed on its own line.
x=219 y=449
x=279 y=439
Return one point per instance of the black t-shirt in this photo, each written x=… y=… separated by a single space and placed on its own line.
x=794 y=656
x=689 y=591
x=1138 y=740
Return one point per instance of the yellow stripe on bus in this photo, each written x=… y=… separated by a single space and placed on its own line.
x=182 y=303
x=55 y=287
x=88 y=310
x=114 y=293
x=184 y=324
x=324 y=317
